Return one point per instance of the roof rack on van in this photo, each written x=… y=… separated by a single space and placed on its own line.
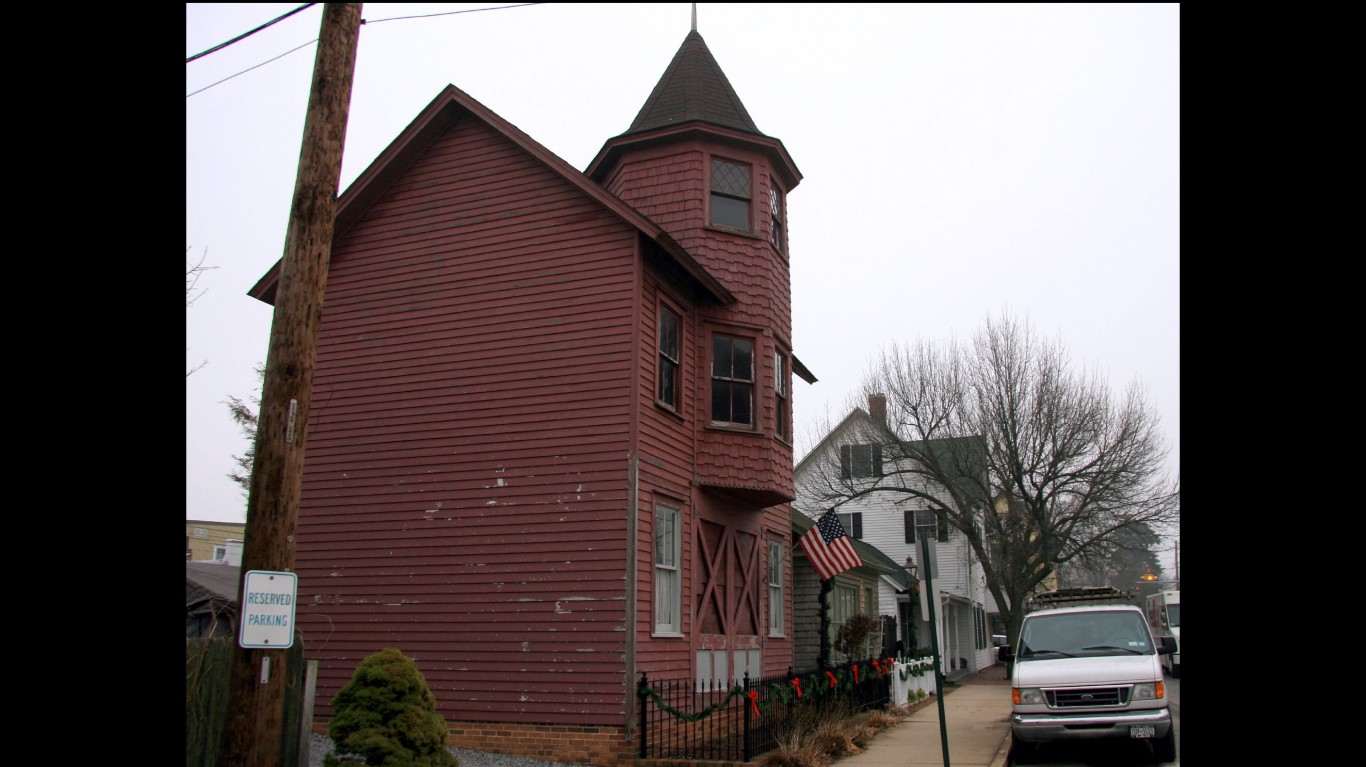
x=1087 y=595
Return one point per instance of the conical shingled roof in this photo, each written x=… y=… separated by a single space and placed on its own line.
x=693 y=88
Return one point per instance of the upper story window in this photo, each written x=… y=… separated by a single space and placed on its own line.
x=730 y=194
x=668 y=385
x=775 y=213
x=732 y=380
x=860 y=461
x=782 y=409
x=928 y=520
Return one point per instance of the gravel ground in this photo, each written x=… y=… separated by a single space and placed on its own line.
x=322 y=746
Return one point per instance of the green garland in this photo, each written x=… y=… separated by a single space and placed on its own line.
x=811 y=685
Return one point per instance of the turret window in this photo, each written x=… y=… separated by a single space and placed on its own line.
x=775 y=212
x=732 y=380
x=730 y=194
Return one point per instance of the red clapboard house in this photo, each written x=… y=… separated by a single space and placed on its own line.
x=551 y=438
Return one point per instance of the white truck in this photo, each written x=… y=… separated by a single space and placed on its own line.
x=1164 y=619
x=1087 y=667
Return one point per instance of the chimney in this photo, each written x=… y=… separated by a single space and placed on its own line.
x=877 y=408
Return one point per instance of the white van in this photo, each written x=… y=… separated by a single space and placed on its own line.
x=1086 y=667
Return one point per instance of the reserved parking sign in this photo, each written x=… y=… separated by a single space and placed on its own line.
x=267 y=609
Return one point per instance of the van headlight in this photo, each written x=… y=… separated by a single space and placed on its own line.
x=1147 y=691
x=1028 y=696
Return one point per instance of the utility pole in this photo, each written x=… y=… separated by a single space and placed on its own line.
x=254 y=732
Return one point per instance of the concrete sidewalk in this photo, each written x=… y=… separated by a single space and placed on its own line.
x=977 y=709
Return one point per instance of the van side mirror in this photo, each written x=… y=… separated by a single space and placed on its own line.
x=1168 y=645
x=1005 y=654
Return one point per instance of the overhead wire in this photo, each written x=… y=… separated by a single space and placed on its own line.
x=245 y=35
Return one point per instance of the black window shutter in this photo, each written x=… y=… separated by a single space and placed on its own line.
x=846 y=460
x=877 y=460
x=910 y=525
x=941 y=520
x=857 y=518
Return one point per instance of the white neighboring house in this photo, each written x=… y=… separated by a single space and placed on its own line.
x=887 y=521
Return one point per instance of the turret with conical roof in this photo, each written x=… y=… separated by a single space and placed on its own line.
x=694 y=161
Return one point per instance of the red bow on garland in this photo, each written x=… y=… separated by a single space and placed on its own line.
x=832 y=679
x=754 y=701
x=855 y=673
x=798 y=684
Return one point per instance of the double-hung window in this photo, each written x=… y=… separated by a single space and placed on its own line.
x=668 y=574
x=928 y=519
x=732 y=380
x=730 y=194
x=776 y=627
x=667 y=392
x=852 y=522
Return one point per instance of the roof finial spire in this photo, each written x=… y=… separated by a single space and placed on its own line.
x=694 y=17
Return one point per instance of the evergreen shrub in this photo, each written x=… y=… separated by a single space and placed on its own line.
x=387 y=715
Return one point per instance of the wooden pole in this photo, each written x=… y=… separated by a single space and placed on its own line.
x=253 y=736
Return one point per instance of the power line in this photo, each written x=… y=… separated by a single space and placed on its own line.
x=245 y=35
x=314 y=40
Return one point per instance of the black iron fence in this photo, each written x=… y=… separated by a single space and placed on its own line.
x=687 y=719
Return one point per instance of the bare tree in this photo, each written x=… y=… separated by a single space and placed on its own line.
x=1037 y=464
x=193 y=271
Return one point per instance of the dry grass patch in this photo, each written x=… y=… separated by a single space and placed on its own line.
x=824 y=736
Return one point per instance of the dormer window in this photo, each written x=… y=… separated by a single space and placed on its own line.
x=730 y=194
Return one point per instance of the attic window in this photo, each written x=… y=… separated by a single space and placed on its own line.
x=860 y=461
x=730 y=195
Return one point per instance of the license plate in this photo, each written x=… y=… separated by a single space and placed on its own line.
x=1142 y=730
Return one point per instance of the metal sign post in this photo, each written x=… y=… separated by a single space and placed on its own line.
x=931 y=598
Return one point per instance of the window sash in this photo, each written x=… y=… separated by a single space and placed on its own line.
x=668 y=575
x=732 y=386
x=941 y=523
x=730 y=194
x=776 y=624
x=782 y=415
x=860 y=461
x=669 y=364
x=775 y=212
x=853 y=523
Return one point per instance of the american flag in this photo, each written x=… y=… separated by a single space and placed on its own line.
x=828 y=548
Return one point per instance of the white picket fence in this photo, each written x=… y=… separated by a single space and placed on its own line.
x=919 y=677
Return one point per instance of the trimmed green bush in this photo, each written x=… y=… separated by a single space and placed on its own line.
x=387 y=715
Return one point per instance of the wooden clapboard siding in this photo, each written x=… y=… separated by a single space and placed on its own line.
x=465 y=484
x=485 y=453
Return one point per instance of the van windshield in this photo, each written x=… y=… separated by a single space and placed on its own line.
x=1085 y=634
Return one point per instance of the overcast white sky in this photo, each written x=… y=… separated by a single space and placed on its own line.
x=959 y=160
